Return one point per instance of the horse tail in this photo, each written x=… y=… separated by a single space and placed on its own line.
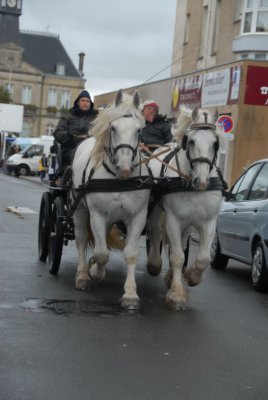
x=115 y=238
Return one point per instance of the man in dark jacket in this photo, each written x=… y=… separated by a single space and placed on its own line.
x=157 y=129
x=74 y=126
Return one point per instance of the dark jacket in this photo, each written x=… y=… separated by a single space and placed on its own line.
x=71 y=128
x=157 y=132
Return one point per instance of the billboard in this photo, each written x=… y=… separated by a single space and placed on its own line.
x=256 y=92
x=11 y=118
x=216 y=88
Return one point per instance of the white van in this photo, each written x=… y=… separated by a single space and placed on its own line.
x=27 y=161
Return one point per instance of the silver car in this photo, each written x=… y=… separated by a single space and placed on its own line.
x=242 y=227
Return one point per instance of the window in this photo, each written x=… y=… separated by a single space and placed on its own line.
x=26 y=95
x=187 y=28
x=60 y=69
x=203 y=36
x=9 y=88
x=35 y=150
x=52 y=97
x=260 y=187
x=255 y=18
x=65 y=99
x=216 y=27
x=240 y=189
x=203 y=31
x=49 y=129
x=260 y=56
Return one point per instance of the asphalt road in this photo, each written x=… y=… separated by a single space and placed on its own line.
x=57 y=343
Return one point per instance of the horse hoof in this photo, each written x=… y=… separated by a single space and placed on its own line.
x=97 y=274
x=154 y=270
x=174 y=305
x=193 y=277
x=130 y=303
x=82 y=283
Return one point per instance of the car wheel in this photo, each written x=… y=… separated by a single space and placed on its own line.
x=218 y=260
x=23 y=170
x=259 y=272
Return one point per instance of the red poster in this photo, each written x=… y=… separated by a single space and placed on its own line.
x=257 y=86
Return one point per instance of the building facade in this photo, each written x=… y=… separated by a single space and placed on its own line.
x=213 y=32
x=37 y=72
x=220 y=62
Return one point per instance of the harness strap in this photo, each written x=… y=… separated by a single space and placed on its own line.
x=116 y=185
x=168 y=158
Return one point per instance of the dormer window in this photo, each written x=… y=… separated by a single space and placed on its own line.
x=60 y=69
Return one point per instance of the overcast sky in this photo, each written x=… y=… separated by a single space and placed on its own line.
x=126 y=42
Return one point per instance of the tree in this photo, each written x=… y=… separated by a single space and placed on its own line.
x=4 y=96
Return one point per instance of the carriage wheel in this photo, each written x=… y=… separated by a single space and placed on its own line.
x=44 y=225
x=56 y=236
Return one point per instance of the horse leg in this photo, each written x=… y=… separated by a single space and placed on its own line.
x=81 y=220
x=154 y=262
x=130 y=298
x=206 y=235
x=176 y=295
x=100 y=253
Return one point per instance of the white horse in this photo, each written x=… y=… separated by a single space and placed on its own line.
x=109 y=166
x=189 y=165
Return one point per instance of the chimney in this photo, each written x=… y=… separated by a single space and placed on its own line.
x=81 y=63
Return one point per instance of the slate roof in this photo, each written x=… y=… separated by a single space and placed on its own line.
x=44 y=52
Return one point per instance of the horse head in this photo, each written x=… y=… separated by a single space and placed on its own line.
x=200 y=139
x=119 y=137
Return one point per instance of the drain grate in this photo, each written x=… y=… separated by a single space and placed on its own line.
x=71 y=307
x=78 y=307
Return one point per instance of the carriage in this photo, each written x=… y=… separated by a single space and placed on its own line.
x=111 y=184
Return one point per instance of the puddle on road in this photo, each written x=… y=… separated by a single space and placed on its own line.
x=74 y=307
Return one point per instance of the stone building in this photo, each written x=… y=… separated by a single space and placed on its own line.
x=219 y=61
x=37 y=72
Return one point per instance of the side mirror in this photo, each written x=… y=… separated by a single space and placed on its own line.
x=25 y=155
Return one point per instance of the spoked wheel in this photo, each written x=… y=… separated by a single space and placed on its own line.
x=44 y=225
x=56 y=235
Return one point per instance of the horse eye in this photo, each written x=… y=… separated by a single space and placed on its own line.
x=112 y=128
x=191 y=142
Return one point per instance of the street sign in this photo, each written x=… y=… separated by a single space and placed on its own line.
x=226 y=123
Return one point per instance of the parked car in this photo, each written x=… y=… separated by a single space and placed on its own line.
x=242 y=226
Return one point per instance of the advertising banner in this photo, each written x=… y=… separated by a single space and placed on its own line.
x=256 y=92
x=215 y=88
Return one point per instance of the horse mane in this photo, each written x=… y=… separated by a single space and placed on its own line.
x=195 y=115
x=100 y=127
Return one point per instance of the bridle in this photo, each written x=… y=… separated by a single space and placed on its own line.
x=185 y=145
x=111 y=150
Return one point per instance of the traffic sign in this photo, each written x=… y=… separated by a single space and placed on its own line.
x=226 y=123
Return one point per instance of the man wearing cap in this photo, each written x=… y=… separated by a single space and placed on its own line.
x=74 y=126
x=157 y=129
